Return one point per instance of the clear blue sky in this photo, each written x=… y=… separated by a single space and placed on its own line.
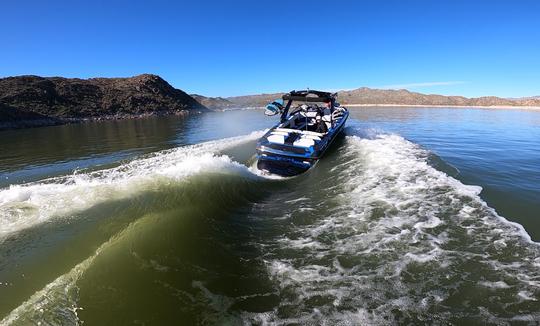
x=224 y=48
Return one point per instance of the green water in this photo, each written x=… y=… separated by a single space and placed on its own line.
x=415 y=215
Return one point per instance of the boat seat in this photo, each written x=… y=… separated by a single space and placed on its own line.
x=309 y=117
x=276 y=138
x=327 y=119
x=316 y=138
x=309 y=114
x=304 y=132
x=304 y=142
x=284 y=133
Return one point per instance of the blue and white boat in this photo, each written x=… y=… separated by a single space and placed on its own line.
x=310 y=121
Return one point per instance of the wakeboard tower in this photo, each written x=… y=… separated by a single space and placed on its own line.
x=309 y=122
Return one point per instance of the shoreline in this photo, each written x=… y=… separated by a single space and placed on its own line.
x=54 y=121
x=497 y=107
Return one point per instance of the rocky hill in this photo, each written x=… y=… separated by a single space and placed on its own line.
x=213 y=103
x=33 y=100
x=366 y=96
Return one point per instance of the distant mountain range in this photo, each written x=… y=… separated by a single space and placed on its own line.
x=369 y=96
x=366 y=95
x=27 y=101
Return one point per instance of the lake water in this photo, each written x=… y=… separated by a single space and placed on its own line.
x=415 y=215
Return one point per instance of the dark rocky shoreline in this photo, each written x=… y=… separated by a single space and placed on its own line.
x=33 y=101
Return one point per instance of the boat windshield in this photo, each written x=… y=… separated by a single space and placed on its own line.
x=309 y=117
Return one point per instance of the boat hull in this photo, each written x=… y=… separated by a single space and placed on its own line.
x=287 y=160
x=282 y=165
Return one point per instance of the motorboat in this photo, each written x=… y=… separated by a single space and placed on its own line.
x=309 y=122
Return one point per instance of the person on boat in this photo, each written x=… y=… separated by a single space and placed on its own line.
x=328 y=105
x=321 y=126
x=327 y=114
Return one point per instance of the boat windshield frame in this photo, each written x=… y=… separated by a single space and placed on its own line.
x=306 y=96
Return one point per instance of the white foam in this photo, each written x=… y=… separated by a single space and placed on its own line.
x=495 y=285
x=397 y=215
x=22 y=206
x=527 y=296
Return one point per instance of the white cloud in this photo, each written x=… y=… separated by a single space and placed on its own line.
x=426 y=84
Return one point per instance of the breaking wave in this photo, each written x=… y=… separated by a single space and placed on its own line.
x=175 y=177
x=23 y=206
x=396 y=241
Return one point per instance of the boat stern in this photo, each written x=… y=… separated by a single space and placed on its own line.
x=282 y=165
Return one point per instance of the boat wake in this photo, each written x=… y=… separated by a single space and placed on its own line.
x=397 y=241
x=373 y=235
x=23 y=206
x=157 y=182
